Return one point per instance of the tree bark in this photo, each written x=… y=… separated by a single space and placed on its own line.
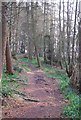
x=38 y=61
x=73 y=43
x=60 y=37
x=4 y=38
x=28 y=32
x=45 y=60
x=79 y=32
x=34 y=23
x=68 y=34
x=0 y=47
x=44 y=30
x=8 y=59
x=17 y=22
x=0 y=56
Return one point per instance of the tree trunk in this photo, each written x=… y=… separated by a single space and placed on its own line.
x=45 y=60
x=8 y=59
x=0 y=47
x=34 y=23
x=73 y=43
x=28 y=32
x=4 y=38
x=5 y=42
x=60 y=37
x=10 y=26
x=1 y=58
x=38 y=61
x=68 y=34
x=79 y=31
x=30 y=49
x=44 y=31
x=17 y=22
x=63 y=33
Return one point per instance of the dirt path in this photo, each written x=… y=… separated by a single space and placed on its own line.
x=42 y=99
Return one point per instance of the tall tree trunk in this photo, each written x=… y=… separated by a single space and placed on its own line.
x=68 y=34
x=51 y=44
x=5 y=42
x=8 y=59
x=45 y=50
x=47 y=38
x=73 y=43
x=63 y=34
x=51 y=36
x=0 y=56
x=44 y=30
x=17 y=22
x=29 y=41
x=10 y=26
x=0 y=47
x=34 y=23
x=60 y=37
x=79 y=32
x=4 y=38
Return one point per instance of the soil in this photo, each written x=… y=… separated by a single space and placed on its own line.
x=41 y=97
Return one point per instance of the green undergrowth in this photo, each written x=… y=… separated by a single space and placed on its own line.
x=26 y=67
x=73 y=110
x=11 y=82
x=24 y=64
x=34 y=62
x=8 y=82
x=17 y=69
x=27 y=61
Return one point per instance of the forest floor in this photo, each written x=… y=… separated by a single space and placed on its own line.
x=37 y=95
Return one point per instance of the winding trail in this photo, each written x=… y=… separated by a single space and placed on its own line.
x=45 y=100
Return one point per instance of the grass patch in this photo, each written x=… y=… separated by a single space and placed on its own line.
x=8 y=79
x=24 y=64
x=34 y=62
x=26 y=67
x=25 y=60
x=73 y=110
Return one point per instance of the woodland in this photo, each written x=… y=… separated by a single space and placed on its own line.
x=40 y=59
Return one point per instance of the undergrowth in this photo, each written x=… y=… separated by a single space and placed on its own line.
x=10 y=81
x=6 y=80
x=73 y=110
x=26 y=67
x=25 y=60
